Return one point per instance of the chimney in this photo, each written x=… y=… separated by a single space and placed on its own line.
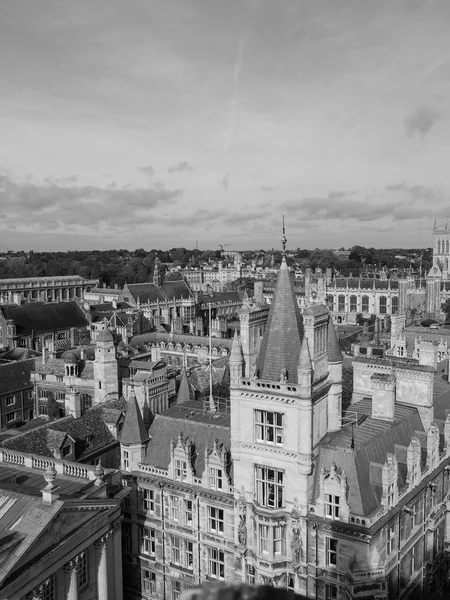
x=114 y=303
x=383 y=396
x=82 y=353
x=44 y=355
x=103 y=285
x=51 y=349
x=73 y=333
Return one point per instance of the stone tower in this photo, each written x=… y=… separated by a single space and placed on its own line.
x=106 y=379
x=134 y=438
x=278 y=416
x=441 y=251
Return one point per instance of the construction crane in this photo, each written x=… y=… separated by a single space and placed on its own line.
x=222 y=246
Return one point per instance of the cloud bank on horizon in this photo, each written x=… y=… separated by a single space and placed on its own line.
x=156 y=124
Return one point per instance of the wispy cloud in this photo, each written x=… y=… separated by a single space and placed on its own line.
x=421 y=120
x=148 y=170
x=180 y=167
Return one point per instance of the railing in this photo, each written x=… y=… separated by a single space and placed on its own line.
x=62 y=467
x=153 y=470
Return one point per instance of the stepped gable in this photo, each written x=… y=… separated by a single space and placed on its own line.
x=134 y=431
x=334 y=350
x=280 y=347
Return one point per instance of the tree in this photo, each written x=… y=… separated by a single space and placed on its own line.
x=54 y=410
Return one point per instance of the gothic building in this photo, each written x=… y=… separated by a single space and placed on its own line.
x=281 y=486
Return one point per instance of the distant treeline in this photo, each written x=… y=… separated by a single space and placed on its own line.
x=125 y=266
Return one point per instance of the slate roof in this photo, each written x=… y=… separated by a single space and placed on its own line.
x=373 y=440
x=232 y=296
x=190 y=420
x=176 y=289
x=185 y=393
x=333 y=348
x=92 y=423
x=134 y=430
x=280 y=347
x=154 y=337
x=16 y=376
x=40 y=318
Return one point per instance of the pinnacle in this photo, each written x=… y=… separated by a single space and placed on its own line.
x=134 y=430
x=334 y=350
x=304 y=361
x=236 y=350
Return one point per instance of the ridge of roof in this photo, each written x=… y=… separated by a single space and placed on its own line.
x=134 y=430
x=280 y=347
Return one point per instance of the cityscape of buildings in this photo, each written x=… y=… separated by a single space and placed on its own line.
x=170 y=433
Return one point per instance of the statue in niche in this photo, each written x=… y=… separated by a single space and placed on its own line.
x=242 y=531
x=296 y=545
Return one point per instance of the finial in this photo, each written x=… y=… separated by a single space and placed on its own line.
x=283 y=240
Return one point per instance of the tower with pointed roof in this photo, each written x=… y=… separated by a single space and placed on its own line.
x=134 y=437
x=106 y=377
x=281 y=412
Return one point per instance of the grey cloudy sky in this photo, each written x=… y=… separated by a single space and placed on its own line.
x=159 y=123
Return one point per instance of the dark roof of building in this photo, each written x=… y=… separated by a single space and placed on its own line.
x=194 y=424
x=213 y=297
x=373 y=440
x=150 y=292
x=176 y=289
x=185 y=393
x=334 y=350
x=280 y=347
x=40 y=318
x=19 y=354
x=154 y=337
x=15 y=376
x=134 y=430
x=90 y=432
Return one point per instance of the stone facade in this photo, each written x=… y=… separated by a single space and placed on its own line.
x=44 y=289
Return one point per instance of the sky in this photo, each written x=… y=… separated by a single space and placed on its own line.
x=167 y=123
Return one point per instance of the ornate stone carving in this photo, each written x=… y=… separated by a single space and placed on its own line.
x=242 y=530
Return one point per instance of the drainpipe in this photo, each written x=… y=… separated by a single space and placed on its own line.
x=198 y=540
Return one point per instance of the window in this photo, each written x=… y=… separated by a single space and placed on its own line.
x=43 y=377
x=148 y=581
x=331 y=552
x=10 y=417
x=176 y=589
x=264 y=539
x=417 y=556
x=365 y=304
x=394 y=305
x=353 y=304
x=341 y=303
x=290 y=581
x=416 y=516
x=148 y=541
x=66 y=450
x=278 y=539
x=148 y=500
x=332 y=508
x=269 y=487
x=331 y=591
x=82 y=572
x=175 y=508
x=180 y=470
x=216 y=563
x=48 y=589
x=250 y=574
x=269 y=427
x=215 y=478
x=9 y=400
x=126 y=462
x=176 y=556
x=189 y=555
x=126 y=537
x=215 y=519
x=383 y=303
x=59 y=378
x=188 y=512
x=390 y=541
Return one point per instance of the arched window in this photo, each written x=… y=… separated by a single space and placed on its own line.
x=353 y=304
x=446 y=247
x=383 y=303
x=330 y=300
x=395 y=305
x=341 y=303
x=365 y=303
x=85 y=401
x=439 y=247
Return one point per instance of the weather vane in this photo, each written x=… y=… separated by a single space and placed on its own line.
x=283 y=240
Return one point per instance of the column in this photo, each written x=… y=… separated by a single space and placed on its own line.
x=102 y=572
x=71 y=569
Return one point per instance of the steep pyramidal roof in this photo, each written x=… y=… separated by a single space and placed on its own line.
x=334 y=351
x=184 y=391
x=134 y=431
x=283 y=336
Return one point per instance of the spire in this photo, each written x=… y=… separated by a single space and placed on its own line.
x=134 y=431
x=236 y=350
x=184 y=391
x=283 y=241
x=280 y=347
x=304 y=361
x=334 y=351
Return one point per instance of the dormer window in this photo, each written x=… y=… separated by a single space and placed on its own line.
x=332 y=507
x=66 y=450
x=215 y=478
x=180 y=470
